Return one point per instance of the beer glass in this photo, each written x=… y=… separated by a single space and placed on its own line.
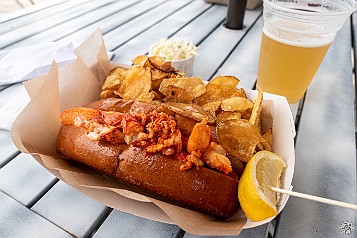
x=296 y=37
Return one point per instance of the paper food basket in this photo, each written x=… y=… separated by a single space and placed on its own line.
x=76 y=84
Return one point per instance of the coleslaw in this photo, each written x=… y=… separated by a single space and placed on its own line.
x=173 y=49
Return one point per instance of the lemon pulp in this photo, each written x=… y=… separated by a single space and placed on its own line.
x=262 y=172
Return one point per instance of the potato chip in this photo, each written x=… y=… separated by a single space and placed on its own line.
x=175 y=94
x=136 y=82
x=225 y=116
x=268 y=137
x=219 y=88
x=142 y=60
x=182 y=89
x=157 y=74
x=185 y=124
x=108 y=93
x=190 y=110
x=237 y=165
x=114 y=78
x=237 y=104
x=245 y=116
x=161 y=64
x=224 y=83
x=155 y=84
x=212 y=107
x=239 y=138
x=146 y=97
x=257 y=108
x=238 y=92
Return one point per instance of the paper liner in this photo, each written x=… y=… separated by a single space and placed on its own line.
x=79 y=83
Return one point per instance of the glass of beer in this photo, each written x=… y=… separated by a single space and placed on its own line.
x=296 y=37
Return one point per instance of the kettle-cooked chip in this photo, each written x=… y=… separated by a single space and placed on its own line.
x=257 y=108
x=268 y=137
x=191 y=111
x=108 y=93
x=176 y=94
x=182 y=89
x=212 y=107
x=239 y=138
x=136 y=83
x=157 y=74
x=225 y=116
x=224 y=83
x=155 y=84
x=146 y=97
x=237 y=104
x=161 y=64
x=142 y=60
x=219 y=88
x=114 y=78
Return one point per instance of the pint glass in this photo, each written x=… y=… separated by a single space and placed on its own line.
x=296 y=36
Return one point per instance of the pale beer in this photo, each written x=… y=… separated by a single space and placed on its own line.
x=296 y=36
x=287 y=68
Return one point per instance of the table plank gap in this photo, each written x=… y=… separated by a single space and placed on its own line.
x=42 y=193
x=205 y=10
x=8 y=159
x=200 y=28
x=243 y=61
x=25 y=180
x=18 y=220
x=70 y=209
x=100 y=222
x=354 y=60
x=8 y=150
x=325 y=155
x=83 y=21
x=232 y=50
x=22 y=33
x=108 y=24
x=19 y=14
x=167 y=28
x=155 y=22
x=213 y=54
x=128 y=225
x=24 y=20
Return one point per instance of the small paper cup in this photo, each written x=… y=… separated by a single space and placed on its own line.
x=185 y=65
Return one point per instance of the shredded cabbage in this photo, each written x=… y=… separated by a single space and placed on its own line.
x=173 y=49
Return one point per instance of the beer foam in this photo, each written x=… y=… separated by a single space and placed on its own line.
x=300 y=35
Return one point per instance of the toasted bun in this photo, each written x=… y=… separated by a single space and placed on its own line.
x=153 y=175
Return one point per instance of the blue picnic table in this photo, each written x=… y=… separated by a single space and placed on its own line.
x=34 y=203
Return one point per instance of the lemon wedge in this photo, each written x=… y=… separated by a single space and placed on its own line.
x=262 y=172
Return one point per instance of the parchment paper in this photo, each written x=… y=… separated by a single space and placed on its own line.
x=79 y=83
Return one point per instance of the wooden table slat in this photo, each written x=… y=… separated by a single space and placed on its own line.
x=243 y=61
x=133 y=226
x=7 y=148
x=217 y=46
x=21 y=33
x=112 y=22
x=325 y=142
x=66 y=28
x=325 y=149
x=71 y=210
x=202 y=26
x=18 y=221
x=169 y=26
x=30 y=176
x=38 y=15
x=122 y=34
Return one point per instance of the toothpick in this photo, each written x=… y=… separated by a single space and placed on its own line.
x=315 y=198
